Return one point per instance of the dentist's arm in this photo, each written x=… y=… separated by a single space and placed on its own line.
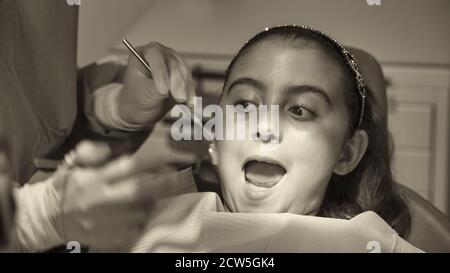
x=98 y=206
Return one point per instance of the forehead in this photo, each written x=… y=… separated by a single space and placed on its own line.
x=280 y=64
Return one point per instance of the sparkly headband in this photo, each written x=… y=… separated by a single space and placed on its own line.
x=350 y=61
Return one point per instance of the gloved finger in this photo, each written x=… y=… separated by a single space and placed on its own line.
x=104 y=71
x=154 y=55
x=177 y=82
x=189 y=81
x=118 y=170
x=138 y=77
x=92 y=154
x=122 y=195
x=131 y=195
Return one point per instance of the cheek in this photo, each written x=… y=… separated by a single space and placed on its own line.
x=228 y=153
x=227 y=149
x=312 y=146
x=229 y=171
x=312 y=162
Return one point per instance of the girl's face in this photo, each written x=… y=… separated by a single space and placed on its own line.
x=313 y=120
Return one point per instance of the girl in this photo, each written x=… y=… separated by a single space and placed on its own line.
x=331 y=160
x=334 y=142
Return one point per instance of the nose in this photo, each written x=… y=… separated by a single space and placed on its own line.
x=268 y=132
x=265 y=137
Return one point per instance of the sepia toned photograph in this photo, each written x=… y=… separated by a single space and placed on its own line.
x=252 y=128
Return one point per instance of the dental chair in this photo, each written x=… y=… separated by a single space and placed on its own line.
x=430 y=229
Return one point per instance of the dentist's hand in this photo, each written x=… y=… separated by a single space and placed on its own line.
x=143 y=100
x=101 y=207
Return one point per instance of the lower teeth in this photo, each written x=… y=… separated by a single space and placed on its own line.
x=257 y=184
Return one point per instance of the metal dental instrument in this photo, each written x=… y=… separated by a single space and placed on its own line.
x=138 y=56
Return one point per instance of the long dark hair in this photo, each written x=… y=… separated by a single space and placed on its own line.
x=370 y=186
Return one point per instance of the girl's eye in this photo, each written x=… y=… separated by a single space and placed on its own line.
x=245 y=106
x=301 y=112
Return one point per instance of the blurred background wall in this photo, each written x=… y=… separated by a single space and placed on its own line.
x=410 y=38
x=411 y=31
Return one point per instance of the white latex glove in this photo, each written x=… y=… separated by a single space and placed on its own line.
x=98 y=206
x=143 y=100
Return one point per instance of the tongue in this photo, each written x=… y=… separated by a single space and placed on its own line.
x=263 y=174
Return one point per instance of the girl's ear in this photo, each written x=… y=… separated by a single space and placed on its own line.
x=352 y=153
x=213 y=154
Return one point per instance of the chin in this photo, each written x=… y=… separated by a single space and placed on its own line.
x=245 y=205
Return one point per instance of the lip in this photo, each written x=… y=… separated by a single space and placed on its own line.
x=253 y=191
x=264 y=159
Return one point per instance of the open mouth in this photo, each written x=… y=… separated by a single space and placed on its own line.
x=263 y=173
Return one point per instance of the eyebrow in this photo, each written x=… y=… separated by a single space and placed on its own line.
x=301 y=89
x=248 y=81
